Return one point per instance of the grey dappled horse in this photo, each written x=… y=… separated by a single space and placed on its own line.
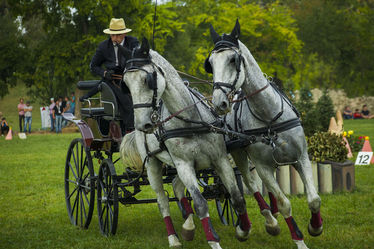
x=269 y=119
x=185 y=143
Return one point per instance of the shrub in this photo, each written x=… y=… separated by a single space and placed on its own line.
x=324 y=146
x=308 y=112
x=325 y=110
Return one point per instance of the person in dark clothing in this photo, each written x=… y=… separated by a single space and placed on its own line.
x=366 y=113
x=109 y=63
x=4 y=127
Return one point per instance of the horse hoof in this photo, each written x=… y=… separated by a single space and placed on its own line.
x=214 y=245
x=187 y=235
x=315 y=231
x=300 y=244
x=242 y=235
x=174 y=241
x=272 y=230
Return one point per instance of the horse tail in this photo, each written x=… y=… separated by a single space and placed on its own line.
x=129 y=153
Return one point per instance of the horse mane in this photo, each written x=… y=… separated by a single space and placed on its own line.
x=171 y=73
x=254 y=72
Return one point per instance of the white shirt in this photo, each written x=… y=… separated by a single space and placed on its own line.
x=116 y=50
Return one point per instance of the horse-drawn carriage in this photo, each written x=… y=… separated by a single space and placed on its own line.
x=101 y=138
x=268 y=124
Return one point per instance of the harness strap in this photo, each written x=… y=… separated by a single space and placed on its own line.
x=278 y=128
x=184 y=132
x=251 y=94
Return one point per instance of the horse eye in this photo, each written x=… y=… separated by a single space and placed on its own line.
x=232 y=60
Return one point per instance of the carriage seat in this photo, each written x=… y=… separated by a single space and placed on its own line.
x=93 y=111
x=87 y=84
x=109 y=101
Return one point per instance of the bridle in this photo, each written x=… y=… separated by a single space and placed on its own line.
x=135 y=64
x=220 y=46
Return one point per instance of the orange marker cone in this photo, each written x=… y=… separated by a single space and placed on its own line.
x=9 y=136
x=367 y=148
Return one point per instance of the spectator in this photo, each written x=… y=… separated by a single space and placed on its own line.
x=57 y=112
x=28 y=116
x=51 y=106
x=347 y=113
x=366 y=113
x=21 y=114
x=4 y=127
x=72 y=103
x=357 y=114
x=66 y=108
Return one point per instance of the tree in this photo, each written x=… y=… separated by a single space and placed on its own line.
x=11 y=49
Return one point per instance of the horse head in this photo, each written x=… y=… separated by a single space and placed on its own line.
x=225 y=62
x=146 y=83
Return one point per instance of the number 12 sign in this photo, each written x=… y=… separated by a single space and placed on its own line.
x=363 y=158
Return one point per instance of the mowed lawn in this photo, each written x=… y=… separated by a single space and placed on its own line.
x=33 y=211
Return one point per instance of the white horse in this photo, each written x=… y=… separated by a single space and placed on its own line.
x=182 y=141
x=270 y=120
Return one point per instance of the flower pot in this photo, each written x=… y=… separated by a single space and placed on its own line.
x=343 y=176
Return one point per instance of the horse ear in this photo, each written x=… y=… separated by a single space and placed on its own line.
x=213 y=34
x=145 y=46
x=235 y=33
x=124 y=51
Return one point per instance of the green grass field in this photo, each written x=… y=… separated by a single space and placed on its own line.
x=33 y=211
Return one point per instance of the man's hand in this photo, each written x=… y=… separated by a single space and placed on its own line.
x=108 y=74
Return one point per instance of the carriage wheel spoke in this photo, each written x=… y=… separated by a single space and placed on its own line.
x=83 y=208
x=77 y=212
x=72 y=193
x=72 y=170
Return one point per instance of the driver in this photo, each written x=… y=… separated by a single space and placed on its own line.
x=109 y=63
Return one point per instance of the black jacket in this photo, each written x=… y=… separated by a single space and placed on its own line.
x=105 y=55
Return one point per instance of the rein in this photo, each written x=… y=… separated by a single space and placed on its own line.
x=251 y=94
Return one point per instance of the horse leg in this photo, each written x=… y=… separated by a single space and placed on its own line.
x=226 y=174
x=154 y=172
x=304 y=168
x=249 y=178
x=188 y=228
x=187 y=175
x=266 y=173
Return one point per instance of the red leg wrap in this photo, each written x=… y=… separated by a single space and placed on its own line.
x=186 y=206
x=245 y=223
x=210 y=234
x=316 y=220
x=260 y=201
x=295 y=231
x=273 y=203
x=169 y=225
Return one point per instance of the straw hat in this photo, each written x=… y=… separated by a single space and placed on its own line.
x=117 y=26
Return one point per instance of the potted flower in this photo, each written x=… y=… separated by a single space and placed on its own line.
x=335 y=171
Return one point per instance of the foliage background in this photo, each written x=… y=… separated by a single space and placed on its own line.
x=48 y=44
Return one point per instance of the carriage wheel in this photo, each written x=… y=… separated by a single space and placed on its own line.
x=225 y=210
x=107 y=198
x=79 y=184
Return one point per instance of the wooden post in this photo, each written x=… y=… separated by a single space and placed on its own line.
x=297 y=186
x=283 y=178
x=315 y=174
x=325 y=178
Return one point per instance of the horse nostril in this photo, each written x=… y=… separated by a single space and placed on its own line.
x=148 y=126
x=224 y=105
